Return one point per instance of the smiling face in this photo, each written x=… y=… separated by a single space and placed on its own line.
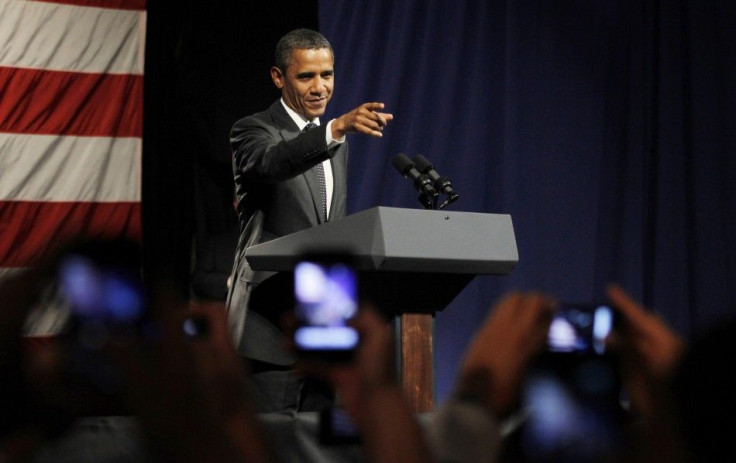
x=306 y=84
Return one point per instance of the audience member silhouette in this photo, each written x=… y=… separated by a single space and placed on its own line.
x=703 y=396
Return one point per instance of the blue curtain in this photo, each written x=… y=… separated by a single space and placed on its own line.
x=607 y=129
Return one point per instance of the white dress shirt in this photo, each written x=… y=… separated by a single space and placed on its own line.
x=301 y=122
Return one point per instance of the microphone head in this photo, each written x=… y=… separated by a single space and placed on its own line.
x=423 y=165
x=402 y=163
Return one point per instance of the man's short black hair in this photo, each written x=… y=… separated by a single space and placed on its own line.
x=298 y=39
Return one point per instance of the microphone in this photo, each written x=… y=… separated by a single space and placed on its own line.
x=422 y=183
x=442 y=184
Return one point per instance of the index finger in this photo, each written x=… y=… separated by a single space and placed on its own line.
x=373 y=106
x=383 y=118
x=536 y=317
x=634 y=312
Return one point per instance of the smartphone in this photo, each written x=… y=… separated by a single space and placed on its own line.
x=572 y=397
x=99 y=283
x=580 y=328
x=325 y=300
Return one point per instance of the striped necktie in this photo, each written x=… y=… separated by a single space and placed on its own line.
x=320 y=177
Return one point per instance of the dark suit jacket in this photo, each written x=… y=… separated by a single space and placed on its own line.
x=278 y=194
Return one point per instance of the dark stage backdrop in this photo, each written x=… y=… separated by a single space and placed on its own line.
x=207 y=65
x=605 y=128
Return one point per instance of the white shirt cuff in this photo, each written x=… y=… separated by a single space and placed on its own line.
x=328 y=136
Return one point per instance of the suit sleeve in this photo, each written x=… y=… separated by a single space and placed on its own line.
x=262 y=155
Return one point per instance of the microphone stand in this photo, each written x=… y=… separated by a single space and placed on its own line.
x=450 y=199
x=422 y=182
x=428 y=201
x=429 y=195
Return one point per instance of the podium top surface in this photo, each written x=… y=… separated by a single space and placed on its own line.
x=387 y=239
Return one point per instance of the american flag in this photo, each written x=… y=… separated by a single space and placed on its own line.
x=71 y=123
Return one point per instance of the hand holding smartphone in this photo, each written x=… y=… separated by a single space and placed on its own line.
x=100 y=284
x=325 y=300
x=572 y=396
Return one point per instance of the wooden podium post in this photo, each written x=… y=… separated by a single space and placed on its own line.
x=417 y=365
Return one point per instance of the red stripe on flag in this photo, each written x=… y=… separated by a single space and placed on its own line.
x=115 y=4
x=70 y=103
x=29 y=230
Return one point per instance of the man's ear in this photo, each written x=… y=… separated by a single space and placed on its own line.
x=277 y=77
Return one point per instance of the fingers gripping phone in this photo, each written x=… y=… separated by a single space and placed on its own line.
x=325 y=300
x=100 y=283
x=572 y=397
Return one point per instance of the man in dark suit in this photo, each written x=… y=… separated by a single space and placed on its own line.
x=290 y=174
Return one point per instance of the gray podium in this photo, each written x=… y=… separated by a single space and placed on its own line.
x=412 y=263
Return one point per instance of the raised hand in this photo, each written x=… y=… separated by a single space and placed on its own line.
x=366 y=119
x=498 y=357
x=648 y=349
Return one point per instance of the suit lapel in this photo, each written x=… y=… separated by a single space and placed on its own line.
x=289 y=130
x=339 y=193
x=310 y=177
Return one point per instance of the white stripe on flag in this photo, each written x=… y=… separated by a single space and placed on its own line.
x=64 y=168
x=41 y=35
